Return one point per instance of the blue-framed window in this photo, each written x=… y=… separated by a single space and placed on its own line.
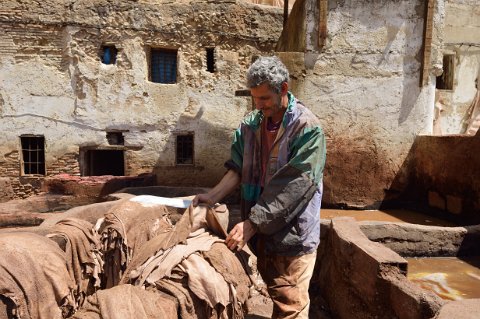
x=163 y=66
x=109 y=54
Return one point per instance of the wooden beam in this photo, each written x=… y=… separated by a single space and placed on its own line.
x=322 y=23
x=427 y=41
x=285 y=12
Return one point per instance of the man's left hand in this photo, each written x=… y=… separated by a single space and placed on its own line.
x=240 y=235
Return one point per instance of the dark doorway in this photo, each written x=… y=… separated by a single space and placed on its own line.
x=105 y=162
x=184 y=155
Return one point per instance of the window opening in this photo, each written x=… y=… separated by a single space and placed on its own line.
x=184 y=154
x=445 y=81
x=109 y=54
x=33 y=155
x=163 y=66
x=115 y=138
x=210 y=59
x=104 y=162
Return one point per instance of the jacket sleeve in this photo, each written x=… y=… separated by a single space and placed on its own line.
x=235 y=162
x=293 y=185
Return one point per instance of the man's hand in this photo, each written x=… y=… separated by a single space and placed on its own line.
x=203 y=199
x=240 y=235
x=227 y=185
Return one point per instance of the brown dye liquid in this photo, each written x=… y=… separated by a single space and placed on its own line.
x=391 y=215
x=449 y=277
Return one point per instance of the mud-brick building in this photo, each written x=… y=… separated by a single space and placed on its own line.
x=128 y=87
x=98 y=87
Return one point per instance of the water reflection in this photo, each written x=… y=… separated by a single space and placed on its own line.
x=450 y=278
x=388 y=215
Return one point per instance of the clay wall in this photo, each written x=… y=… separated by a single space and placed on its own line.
x=53 y=82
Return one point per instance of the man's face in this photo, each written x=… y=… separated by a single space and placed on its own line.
x=266 y=100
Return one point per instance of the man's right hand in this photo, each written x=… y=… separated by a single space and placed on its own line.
x=203 y=199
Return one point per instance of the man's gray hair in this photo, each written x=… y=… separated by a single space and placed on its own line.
x=268 y=70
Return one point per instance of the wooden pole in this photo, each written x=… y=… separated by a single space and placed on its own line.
x=285 y=12
x=427 y=41
x=322 y=23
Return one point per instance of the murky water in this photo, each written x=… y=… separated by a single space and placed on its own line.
x=450 y=278
x=390 y=215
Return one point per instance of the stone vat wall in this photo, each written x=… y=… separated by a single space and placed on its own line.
x=411 y=240
x=361 y=272
x=361 y=279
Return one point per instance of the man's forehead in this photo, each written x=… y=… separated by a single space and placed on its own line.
x=261 y=90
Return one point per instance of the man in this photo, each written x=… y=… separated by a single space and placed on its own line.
x=277 y=157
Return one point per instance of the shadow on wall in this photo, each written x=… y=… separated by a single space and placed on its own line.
x=200 y=150
x=441 y=176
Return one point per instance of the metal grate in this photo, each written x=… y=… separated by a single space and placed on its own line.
x=33 y=155
x=163 y=66
x=185 y=149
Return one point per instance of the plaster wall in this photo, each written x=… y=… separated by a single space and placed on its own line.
x=53 y=83
x=462 y=39
x=364 y=87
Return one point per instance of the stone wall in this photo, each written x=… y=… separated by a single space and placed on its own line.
x=53 y=82
x=66 y=163
x=17 y=186
x=364 y=87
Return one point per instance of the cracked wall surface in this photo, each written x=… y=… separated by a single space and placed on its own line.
x=53 y=83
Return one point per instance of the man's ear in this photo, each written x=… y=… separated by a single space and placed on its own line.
x=284 y=90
